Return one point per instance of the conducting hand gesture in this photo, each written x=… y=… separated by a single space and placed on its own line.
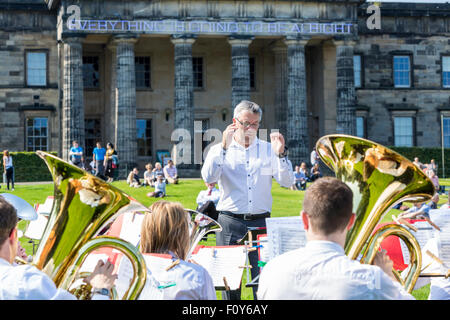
x=277 y=142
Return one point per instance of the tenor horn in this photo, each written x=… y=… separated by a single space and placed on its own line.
x=200 y=225
x=83 y=205
x=380 y=178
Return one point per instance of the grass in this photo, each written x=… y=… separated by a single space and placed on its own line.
x=285 y=203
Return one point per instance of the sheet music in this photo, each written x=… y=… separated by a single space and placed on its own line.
x=443 y=239
x=91 y=261
x=284 y=234
x=46 y=208
x=131 y=227
x=424 y=233
x=36 y=227
x=125 y=274
x=224 y=263
x=440 y=217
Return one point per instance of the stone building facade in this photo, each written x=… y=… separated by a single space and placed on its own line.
x=132 y=72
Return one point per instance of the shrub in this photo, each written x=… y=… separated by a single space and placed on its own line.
x=28 y=167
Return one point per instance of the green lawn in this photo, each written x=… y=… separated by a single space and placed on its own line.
x=285 y=203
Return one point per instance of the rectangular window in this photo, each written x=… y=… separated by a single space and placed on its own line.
x=446 y=72
x=37 y=134
x=446 y=131
x=197 y=68
x=36 y=73
x=360 y=127
x=92 y=134
x=357 y=70
x=252 y=66
x=144 y=137
x=142 y=67
x=91 y=75
x=403 y=132
x=402 y=71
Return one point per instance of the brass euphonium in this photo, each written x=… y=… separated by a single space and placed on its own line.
x=83 y=205
x=380 y=178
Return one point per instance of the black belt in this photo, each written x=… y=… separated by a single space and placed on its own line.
x=247 y=216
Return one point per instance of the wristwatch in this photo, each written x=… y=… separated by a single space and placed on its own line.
x=102 y=291
x=284 y=153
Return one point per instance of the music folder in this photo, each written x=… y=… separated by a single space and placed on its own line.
x=222 y=262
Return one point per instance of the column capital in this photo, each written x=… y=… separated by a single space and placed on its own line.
x=183 y=39
x=341 y=41
x=292 y=40
x=76 y=38
x=124 y=38
x=240 y=40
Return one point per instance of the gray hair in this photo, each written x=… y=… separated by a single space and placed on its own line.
x=246 y=105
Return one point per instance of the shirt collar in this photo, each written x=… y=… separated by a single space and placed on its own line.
x=238 y=146
x=4 y=262
x=323 y=245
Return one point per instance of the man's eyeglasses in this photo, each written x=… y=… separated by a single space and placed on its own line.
x=248 y=124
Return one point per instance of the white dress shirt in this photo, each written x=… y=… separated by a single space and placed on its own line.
x=203 y=197
x=25 y=282
x=191 y=281
x=322 y=271
x=244 y=175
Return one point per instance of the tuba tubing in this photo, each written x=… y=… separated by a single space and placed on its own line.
x=379 y=178
x=83 y=205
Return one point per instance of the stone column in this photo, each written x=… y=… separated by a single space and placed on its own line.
x=297 y=138
x=73 y=104
x=125 y=104
x=345 y=88
x=281 y=82
x=240 y=70
x=184 y=93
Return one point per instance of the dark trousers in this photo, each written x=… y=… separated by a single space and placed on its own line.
x=10 y=177
x=234 y=229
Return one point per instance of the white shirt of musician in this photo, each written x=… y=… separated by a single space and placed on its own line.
x=184 y=281
x=26 y=282
x=322 y=271
x=244 y=175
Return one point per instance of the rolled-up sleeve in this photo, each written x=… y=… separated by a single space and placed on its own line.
x=282 y=171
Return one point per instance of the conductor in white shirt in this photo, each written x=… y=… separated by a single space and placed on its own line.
x=25 y=282
x=243 y=166
x=321 y=270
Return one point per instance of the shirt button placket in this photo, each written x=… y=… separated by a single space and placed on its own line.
x=249 y=180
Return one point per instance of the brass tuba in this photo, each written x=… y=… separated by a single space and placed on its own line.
x=379 y=178
x=200 y=224
x=83 y=205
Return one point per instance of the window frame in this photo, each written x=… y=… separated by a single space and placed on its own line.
x=411 y=71
x=150 y=87
x=442 y=71
x=413 y=128
x=255 y=72
x=46 y=52
x=150 y=147
x=95 y=55
x=361 y=70
x=47 y=137
x=203 y=73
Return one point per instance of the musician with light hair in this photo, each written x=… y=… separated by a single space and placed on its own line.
x=165 y=244
x=26 y=282
x=243 y=166
x=321 y=270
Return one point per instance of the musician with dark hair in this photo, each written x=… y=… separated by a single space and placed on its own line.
x=25 y=282
x=321 y=270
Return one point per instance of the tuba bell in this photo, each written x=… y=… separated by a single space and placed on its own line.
x=83 y=205
x=200 y=225
x=380 y=178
